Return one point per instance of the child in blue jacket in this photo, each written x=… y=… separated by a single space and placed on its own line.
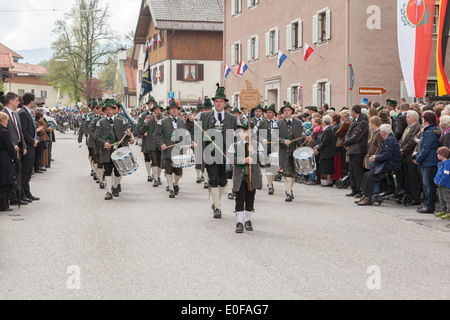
x=442 y=180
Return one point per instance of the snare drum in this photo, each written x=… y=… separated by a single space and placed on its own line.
x=183 y=161
x=305 y=161
x=274 y=161
x=124 y=161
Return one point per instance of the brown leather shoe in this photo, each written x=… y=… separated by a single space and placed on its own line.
x=360 y=200
x=365 y=202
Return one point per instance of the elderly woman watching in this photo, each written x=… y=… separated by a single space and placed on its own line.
x=327 y=150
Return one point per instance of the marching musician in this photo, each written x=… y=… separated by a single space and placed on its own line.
x=271 y=123
x=152 y=151
x=246 y=154
x=111 y=131
x=290 y=129
x=97 y=145
x=191 y=127
x=219 y=121
x=119 y=114
x=163 y=136
x=88 y=133
x=140 y=128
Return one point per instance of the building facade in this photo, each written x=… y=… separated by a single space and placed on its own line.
x=125 y=81
x=362 y=33
x=186 y=55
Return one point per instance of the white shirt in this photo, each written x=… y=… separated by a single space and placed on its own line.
x=216 y=116
x=16 y=120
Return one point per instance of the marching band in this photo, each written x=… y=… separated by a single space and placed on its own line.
x=230 y=148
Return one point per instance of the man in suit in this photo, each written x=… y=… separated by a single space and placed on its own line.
x=389 y=158
x=290 y=129
x=31 y=140
x=111 y=130
x=165 y=139
x=15 y=130
x=217 y=122
x=412 y=181
x=401 y=122
x=356 y=144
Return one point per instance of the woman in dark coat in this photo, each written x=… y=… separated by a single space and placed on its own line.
x=327 y=151
x=7 y=157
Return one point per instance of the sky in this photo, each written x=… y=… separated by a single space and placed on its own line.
x=24 y=27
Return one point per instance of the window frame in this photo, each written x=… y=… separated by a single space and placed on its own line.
x=190 y=65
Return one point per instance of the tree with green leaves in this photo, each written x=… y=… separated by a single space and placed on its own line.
x=84 y=42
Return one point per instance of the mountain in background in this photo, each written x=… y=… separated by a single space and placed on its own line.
x=35 y=56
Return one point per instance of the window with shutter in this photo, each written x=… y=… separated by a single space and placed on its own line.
x=314 y=95
x=273 y=42
x=161 y=74
x=322 y=26
x=190 y=72
x=252 y=48
x=200 y=72
x=180 y=69
x=161 y=34
x=288 y=37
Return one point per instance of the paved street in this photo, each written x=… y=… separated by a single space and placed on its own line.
x=144 y=245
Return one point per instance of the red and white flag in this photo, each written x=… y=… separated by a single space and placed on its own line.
x=308 y=52
x=415 y=35
x=159 y=38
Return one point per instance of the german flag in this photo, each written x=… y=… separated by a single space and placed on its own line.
x=443 y=28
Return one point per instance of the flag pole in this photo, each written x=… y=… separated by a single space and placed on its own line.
x=291 y=61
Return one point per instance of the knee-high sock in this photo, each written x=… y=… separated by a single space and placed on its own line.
x=169 y=179
x=287 y=184
x=270 y=179
x=230 y=187
x=221 y=191
x=215 y=194
x=176 y=179
x=155 y=171
x=205 y=175
x=248 y=216
x=148 y=166
x=116 y=181
x=159 y=172
x=99 y=172
x=240 y=216
x=292 y=182
x=109 y=183
x=119 y=179
x=91 y=162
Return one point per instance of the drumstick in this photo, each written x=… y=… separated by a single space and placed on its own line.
x=209 y=138
x=293 y=141
x=119 y=142
x=174 y=145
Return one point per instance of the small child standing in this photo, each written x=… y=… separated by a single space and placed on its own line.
x=442 y=180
